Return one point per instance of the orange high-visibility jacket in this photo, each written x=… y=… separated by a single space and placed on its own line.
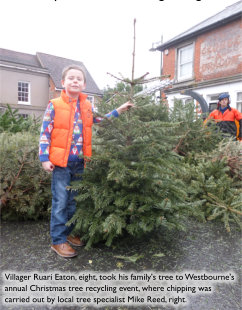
x=229 y=121
x=61 y=135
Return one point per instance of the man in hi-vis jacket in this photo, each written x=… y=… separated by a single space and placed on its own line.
x=228 y=119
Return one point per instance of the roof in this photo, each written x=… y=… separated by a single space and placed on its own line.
x=52 y=65
x=19 y=58
x=229 y=14
x=55 y=66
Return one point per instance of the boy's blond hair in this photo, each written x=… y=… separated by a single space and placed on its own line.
x=75 y=67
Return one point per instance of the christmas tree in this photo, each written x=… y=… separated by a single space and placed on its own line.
x=131 y=184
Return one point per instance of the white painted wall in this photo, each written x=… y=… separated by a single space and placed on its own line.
x=232 y=88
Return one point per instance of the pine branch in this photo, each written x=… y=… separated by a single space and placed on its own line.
x=120 y=79
x=234 y=211
x=176 y=149
x=140 y=80
x=221 y=205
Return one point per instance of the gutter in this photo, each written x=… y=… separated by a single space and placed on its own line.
x=201 y=84
x=24 y=69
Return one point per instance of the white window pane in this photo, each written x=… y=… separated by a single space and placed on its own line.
x=239 y=96
x=239 y=106
x=185 y=62
x=23 y=92
x=214 y=97
x=186 y=70
x=186 y=55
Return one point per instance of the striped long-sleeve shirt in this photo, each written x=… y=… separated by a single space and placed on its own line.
x=77 y=136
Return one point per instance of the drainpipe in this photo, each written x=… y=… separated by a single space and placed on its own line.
x=161 y=64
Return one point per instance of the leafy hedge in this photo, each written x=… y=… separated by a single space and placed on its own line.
x=25 y=186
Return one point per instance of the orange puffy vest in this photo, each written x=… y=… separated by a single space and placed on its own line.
x=61 y=135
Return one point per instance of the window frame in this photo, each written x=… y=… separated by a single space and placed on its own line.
x=23 y=115
x=180 y=78
x=238 y=101
x=28 y=92
x=90 y=98
x=212 y=100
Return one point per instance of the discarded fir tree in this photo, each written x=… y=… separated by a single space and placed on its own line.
x=131 y=183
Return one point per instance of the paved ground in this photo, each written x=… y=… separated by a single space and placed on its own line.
x=204 y=247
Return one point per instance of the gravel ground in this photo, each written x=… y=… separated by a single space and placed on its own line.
x=25 y=247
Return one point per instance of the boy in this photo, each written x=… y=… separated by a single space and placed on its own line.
x=228 y=119
x=65 y=135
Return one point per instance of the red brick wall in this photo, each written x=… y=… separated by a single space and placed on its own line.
x=53 y=93
x=169 y=63
x=217 y=54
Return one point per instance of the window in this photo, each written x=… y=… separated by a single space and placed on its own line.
x=188 y=101
x=212 y=106
x=239 y=101
x=2 y=110
x=185 y=62
x=25 y=116
x=23 y=92
x=214 y=97
x=91 y=99
x=212 y=102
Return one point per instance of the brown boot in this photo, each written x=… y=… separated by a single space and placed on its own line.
x=64 y=250
x=75 y=241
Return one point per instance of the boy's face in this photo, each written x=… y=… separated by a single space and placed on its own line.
x=74 y=83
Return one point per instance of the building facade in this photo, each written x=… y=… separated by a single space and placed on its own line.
x=207 y=59
x=28 y=82
x=24 y=85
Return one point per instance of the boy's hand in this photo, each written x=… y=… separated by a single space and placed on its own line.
x=124 y=107
x=48 y=166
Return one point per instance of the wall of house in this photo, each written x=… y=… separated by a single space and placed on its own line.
x=53 y=93
x=208 y=92
x=217 y=65
x=39 y=90
x=169 y=62
x=217 y=54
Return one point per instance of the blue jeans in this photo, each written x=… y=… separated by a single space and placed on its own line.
x=63 y=202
